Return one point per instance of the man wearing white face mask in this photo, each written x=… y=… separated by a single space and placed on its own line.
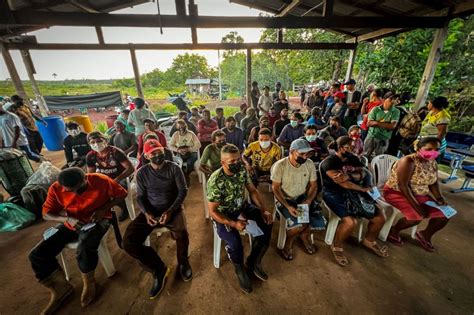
x=260 y=156
x=75 y=146
x=110 y=161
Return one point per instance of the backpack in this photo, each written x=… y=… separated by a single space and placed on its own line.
x=410 y=125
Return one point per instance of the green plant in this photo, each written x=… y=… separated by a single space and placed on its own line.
x=101 y=126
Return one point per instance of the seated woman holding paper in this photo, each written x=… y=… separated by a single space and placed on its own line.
x=295 y=188
x=345 y=192
x=412 y=179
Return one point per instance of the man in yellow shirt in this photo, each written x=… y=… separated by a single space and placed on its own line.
x=260 y=156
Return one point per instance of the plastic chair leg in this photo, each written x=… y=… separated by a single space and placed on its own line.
x=360 y=229
x=388 y=224
x=331 y=228
x=65 y=268
x=147 y=242
x=217 y=249
x=105 y=258
x=204 y=190
x=413 y=231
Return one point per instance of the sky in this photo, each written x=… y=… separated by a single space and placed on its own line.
x=74 y=64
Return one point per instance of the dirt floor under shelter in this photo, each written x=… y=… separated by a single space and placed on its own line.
x=410 y=281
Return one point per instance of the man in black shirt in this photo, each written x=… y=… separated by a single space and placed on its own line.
x=280 y=123
x=161 y=192
x=75 y=146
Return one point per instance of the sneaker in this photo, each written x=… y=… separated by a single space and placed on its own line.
x=159 y=281
x=186 y=271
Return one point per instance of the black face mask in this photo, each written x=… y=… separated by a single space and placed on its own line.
x=300 y=160
x=220 y=144
x=346 y=154
x=158 y=159
x=235 y=167
x=333 y=127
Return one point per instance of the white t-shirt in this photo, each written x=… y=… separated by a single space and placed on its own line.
x=137 y=116
x=8 y=122
x=294 y=180
x=265 y=102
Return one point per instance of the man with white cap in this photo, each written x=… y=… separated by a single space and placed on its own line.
x=295 y=188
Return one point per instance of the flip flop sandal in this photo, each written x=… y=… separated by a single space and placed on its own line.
x=424 y=243
x=339 y=256
x=374 y=247
x=395 y=239
x=286 y=255
x=310 y=248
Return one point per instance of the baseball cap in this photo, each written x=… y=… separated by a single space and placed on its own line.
x=151 y=146
x=95 y=135
x=350 y=81
x=301 y=145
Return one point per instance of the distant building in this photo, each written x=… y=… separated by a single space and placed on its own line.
x=202 y=85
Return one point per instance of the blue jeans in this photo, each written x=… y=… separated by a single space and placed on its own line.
x=232 y=239
x=30 y=154
x=189 y=161
x=316 y=219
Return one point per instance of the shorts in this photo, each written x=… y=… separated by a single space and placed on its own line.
x=316 y=219
x=398 y=200
x=336 y=203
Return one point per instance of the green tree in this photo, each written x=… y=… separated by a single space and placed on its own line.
x=185 y=66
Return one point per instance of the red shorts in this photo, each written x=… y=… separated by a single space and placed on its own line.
x=398 y=200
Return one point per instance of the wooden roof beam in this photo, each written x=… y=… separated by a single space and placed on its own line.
x=328 y=8
x=186 y=46
x=290 y=7
x=45 y=19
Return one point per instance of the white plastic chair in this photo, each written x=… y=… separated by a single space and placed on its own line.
x=381 y=167
x=104 y=257
x=218 y=243
x=333 y=222
x=204 y=196
x=282 y=228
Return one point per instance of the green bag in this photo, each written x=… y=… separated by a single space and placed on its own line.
x=14 y=217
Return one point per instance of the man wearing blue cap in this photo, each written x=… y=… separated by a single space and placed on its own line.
x=295 y=188
x=353 y=101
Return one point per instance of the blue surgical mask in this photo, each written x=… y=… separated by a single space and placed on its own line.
x=293 y=123
x=311 y=138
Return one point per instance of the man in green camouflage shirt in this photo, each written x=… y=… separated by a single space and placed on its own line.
x=231 y=214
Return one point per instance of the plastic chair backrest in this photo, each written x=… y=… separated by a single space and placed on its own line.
x=381 y=166
x=134 y=161
x=178 y=160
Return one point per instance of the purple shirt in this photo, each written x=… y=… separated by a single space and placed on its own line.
x=235 y=137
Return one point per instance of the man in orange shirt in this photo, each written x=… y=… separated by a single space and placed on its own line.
x=81 y=203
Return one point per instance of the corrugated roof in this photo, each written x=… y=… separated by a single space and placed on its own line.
x=197 y=81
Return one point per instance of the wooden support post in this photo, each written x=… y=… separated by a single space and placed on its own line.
x=19 y=89
x=193 y=12
x=430 y=67
x=248 y=77
x=350 y=65
x=136 y=73
x=30 y=70
x=280 y=36
x=328 y=8
x=100 y=35
x=220 y=73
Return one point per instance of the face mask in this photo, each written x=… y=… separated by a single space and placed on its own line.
x=265 y=144
x=311 y=138
x=285 y=116
x=158 y=159
x=293 y=123
x=98 y=147
x=220 y=144
x=73 y=132
x=333 y=127
x=182 y=129
x=235 y=167
x=300 y=160
x=356 y=136
x=231 y=127
x=346 y=154
x=428 y=155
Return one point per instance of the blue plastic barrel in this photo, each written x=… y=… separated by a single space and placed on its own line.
x=53 y=134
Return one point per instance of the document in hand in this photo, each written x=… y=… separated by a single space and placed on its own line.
x=447 y=210
x=253 y=229
x=303 y=213
x=374 y=193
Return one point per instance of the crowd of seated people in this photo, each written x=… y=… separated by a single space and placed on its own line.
x=285 y=147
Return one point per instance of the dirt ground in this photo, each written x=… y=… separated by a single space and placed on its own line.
x=410 y=281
